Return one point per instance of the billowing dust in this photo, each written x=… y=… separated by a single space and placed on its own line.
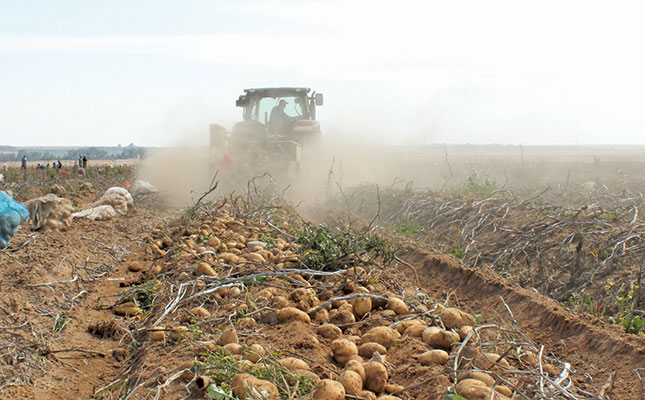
x=182 y=173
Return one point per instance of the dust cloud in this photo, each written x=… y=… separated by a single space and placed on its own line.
x=339 y=159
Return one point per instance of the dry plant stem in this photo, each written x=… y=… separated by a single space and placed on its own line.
x=414 y=270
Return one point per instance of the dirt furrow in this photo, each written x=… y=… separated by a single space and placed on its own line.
x=603 y=351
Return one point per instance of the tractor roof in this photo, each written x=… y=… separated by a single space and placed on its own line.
x=278 y=90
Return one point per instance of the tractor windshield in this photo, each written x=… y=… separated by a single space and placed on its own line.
x=260 y=107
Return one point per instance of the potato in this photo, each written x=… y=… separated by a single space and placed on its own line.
x=178 y=332
x=209 y=345
x=157 y=334
x=391 y=388
x=455 y=318
x=362 y=306
x=240 y=383
x=214 y=242
x=361 y=289
x=327 y=389
x=200 y=312
x=367 y=395
x=280 y=302
x=321 y=316
x=304 y=298
x=246 y=323
x=383 y=335
x=464 y=331
x=256 y=258
x=351 y=381
x=233 y=348
x=388 y=397
x=474 y=389
x=433 y=357
x=356 y=366
x=415 y=330
x=505 y=390
x=342 y=350
x=329 y=331
x=488 y=360
x=437 y=337
x=366 y=350
x=254 y=353
x=228 y=336
x=135 y=266
x=341 y=317
x=228 y=258
x=408 y=323
x=375 y=376
x=293 y=314
x=480 y=376
x=127 y=309
x=204 y=269
x=292 y=363
x=155 y=270
x=397 y=305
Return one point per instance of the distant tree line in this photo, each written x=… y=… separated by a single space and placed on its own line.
x=92 y=153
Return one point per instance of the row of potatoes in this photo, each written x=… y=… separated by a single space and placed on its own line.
x=364 y=373
x=363 y=358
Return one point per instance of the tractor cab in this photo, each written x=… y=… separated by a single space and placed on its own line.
x=276 y=124
x=278 y=114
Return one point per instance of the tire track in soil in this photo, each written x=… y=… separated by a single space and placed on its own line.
x=570 y=337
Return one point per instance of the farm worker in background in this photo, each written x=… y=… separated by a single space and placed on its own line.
x=279 y=120
x=23 y=162
x=59 y=166
x=84 y=162
x=80 y=161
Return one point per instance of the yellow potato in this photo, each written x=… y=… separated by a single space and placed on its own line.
x=455 y=318
x=342 y=350
x=328 y=389
x=383 y=335
x=228 y=336
x=366 y=350
x=200 y=312
x=241 y=382
x=292 y=363
x=375 y=376
x=204 y=269
x=480 y=376
x=356 y=366
x=351 y=381
x=329 y=331
x=361 y=306
x=433 y=357
x=293 y=314
x=233 y=348
x=437 y=337
x=397 y=305
x=415 y=330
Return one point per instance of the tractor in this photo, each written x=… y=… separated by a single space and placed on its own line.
x=276 y=124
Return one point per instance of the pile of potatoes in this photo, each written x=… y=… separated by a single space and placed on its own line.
x=116 y=197
x=360 y=359
x=228 y=241
x=50 y=212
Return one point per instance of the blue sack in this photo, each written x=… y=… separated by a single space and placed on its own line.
x=11 y=213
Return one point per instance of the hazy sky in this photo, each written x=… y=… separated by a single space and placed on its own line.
x=90 y=72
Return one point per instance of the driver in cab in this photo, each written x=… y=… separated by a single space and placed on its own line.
x=279 y=120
